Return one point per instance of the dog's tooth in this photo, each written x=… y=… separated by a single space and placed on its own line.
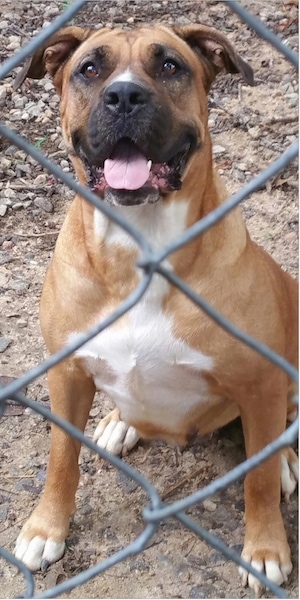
x=149 y=165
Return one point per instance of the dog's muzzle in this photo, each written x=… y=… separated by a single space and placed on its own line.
x=129 y=158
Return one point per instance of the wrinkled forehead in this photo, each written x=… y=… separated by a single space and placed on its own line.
x=133 y=47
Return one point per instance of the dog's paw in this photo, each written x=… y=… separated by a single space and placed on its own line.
x=114 y=435
x=277 y=571
x=289 y=472
x=42 y=539
x=37 y=552
x=268 y=552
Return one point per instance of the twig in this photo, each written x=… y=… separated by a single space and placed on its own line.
x=35 y=235
x=287 y=119
x=26 y=186
x=182 y=482
x=8 y=491
x=141 y=462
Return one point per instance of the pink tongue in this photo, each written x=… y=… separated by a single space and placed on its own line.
x=127 y=169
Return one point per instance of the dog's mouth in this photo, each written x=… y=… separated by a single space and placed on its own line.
x=128 y=169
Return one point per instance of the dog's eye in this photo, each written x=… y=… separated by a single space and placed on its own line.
x=170 y=67
x=89 y=70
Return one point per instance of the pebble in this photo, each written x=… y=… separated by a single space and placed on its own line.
x=3 y=94
x=48 y=86
x=127 y=484
x=7 y=244
x=4 y=343
x=17 y=206
x=19 y=285
x=9 y=193
x=40 y=179
x=209 y=505
x=5 y=257
x=217 y=149
x=292 y=99
x=64 y=164
x=5 y=163
x=43 y=204
x=197 y=592
x=3 y=210
x=3 y=512
x=21 y=323
x=6 y=202
x=23 y=483
x=86 y=509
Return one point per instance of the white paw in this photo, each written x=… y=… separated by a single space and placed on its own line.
x=114 y=435
x=38 y=553
x=289 y=472
x=271 y=568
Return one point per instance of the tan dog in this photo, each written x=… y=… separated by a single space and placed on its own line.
x=134 y=119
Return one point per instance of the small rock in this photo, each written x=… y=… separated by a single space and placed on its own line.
x=4 y=343
x=19 y=285
x=3 y=210
x=19 y=102
x=5 y=163
x=22 y=323
x=7 y=244
x=3 y=512
x=292 y=100
x=40 y=179
x=197 y=592
x=17 y=206
x=43 y=204
x=5 y=257
x=64 y=163
x=182 y=21
x=218 y=149
x=127 y=484
x=51 y=11
x=23 y=483
x=9 y=193
x=6 y=201
x=86 y=509
x=3 y=94
x=209 y=505
x=30 y=411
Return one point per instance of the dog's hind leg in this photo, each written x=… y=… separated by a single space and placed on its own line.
x=289 y=472
x=114 y=435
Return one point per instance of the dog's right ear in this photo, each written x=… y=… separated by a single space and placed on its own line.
x=52 y=55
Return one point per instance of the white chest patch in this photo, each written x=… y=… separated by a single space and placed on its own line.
x=151 y=375
x=159 y=223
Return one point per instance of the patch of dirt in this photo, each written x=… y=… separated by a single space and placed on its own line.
x=250 y=128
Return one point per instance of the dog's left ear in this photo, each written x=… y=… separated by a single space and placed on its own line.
x=215 y=50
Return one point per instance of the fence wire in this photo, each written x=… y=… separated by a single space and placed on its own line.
x=150 y=262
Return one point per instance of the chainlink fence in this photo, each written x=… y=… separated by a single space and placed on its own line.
x=150 y=263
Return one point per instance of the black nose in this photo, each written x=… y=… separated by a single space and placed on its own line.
x=124 y=97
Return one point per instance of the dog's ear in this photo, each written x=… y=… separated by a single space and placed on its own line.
x=52 y=54
x=215 y=50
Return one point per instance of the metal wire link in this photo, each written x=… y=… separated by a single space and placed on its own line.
x=150 y=262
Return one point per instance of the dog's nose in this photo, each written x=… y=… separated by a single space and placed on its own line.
x=125 y=97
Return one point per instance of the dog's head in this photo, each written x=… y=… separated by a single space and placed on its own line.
x=133 y=103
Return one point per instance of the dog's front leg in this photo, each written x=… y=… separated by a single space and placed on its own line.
x=266 y=546
x=42 y=539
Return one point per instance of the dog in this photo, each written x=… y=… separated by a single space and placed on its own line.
x=135 y=124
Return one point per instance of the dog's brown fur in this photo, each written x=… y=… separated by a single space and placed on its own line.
x=228 y=269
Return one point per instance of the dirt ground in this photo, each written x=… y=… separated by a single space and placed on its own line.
x=250 y=127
